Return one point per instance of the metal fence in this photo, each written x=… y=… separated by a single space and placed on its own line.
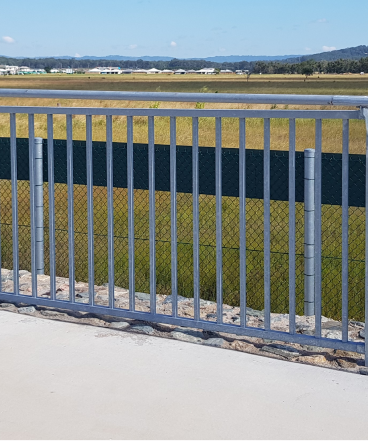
x=208 y=223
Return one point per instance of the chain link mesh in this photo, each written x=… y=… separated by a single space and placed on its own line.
x=331 y=228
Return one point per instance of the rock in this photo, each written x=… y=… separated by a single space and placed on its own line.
x=333 y=327
x=186 y=337
x=239 y=345
x=47 y=313
x=355 y=323
x=7 y=276
x=363 y=370
x=211 y=316
x=284 y=351
x=23 y=273
x=82 y=295
x=362 y=333
x=302 y=327
x=119 y=325
x=336 y=335
x=189 y=331
x=144 y=329
x=280 y=318
x=313 y=359
x=206 y=302
x=217 y=342
x=345 y=354
x=180 y=299
x=255 y=313
x=346 y=364
x=312 y=348
x=268 y=341
x=27 y=310
x=6 y=305
x=142 y=296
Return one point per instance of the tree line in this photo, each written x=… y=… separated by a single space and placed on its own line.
x=307 y=67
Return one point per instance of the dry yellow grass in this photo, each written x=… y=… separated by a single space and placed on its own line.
x=324 y=84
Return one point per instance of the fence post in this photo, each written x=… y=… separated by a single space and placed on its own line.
x=38 y=192
x=309 y=232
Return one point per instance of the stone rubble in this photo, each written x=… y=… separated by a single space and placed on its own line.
x=336 y=359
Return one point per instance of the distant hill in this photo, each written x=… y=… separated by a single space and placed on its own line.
x=238 y=58
x=349 y=53
x=355 y=60
x=216 y=59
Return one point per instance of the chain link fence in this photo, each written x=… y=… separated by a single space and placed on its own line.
x=331 y=222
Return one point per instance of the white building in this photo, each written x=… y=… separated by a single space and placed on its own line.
x=180 y=72
x=153 y=71
x=167 y=71
x=207 y=71
x=95 y=70
x=110 y=71
x=24 y=70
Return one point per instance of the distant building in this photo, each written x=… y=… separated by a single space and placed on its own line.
x=153 y=71
x=111 y=71
x=167 y=71
x=226 y=71
x=180 y=72
x=95 y=70
x=191 y=71
x=207 y=71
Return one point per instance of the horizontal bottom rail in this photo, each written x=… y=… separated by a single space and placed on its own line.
x=191 y=323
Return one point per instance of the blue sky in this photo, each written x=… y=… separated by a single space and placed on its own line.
x=179 y=28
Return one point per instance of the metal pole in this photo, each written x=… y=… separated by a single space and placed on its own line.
x=38 y=192
x=309 y=208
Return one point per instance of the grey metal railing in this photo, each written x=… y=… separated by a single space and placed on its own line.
x=313 y=241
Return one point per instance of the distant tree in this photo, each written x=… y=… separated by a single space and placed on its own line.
x=47 y=69
x=307 y=70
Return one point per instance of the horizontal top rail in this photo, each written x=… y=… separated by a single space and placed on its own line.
x=226 y=113
x=331 y=100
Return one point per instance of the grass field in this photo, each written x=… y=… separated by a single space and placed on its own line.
x=332 y=141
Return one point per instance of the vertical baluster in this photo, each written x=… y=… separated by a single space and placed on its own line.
x=195 y=165
x=14 y=190
x=292 y=226
x=365 y=113
x=267 y=229
x=318 y=228
x=90 y=214
x=218 y=166
x=51 y=179
x=131 y=213
x=174 y=236
x=110 y=210
x=152 y=202
x=70 y=181
x=32 y=202
x=242 y=223
x=345 y=229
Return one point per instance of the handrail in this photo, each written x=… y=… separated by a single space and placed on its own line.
x=330 y=100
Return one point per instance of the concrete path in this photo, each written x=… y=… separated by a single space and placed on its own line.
x=67 y=381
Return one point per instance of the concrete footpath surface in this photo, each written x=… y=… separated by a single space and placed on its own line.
x=67 y=381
